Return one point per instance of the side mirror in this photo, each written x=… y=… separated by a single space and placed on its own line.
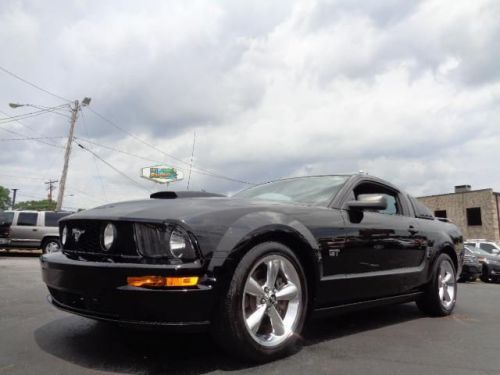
x=368 y=202
x=495 y=251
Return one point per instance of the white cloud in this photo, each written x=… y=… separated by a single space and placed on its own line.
x=406 y=91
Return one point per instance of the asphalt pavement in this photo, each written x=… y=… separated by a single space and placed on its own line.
x=35 y=338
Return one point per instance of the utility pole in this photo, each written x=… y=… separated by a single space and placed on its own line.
x=51 y=188
x=14 y=197
x=67 y=152
x=62 y=184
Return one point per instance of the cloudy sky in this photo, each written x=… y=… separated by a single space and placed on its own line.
x=405 y=90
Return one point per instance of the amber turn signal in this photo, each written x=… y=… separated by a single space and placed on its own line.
x=160 y=281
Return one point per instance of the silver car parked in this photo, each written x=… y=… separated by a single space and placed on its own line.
x=35 y=230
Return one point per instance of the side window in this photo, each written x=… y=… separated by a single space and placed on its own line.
x=27 y=218
x=392 y=205
x=51 y=218
x=487 y=247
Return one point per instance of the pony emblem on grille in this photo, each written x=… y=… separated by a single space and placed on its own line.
x=77 y=233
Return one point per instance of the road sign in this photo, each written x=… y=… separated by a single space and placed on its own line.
x=162 y=174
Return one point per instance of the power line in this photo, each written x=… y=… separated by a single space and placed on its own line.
x=84 y=126
x=207 y=171
x=27 y=115
x=112 y=167
x=36 y=140
x=27 y=127
x=195 y=169
x=28 y=138
x=33 y=85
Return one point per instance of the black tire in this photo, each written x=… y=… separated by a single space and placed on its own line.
x=472 y=278
x=484 y=276
x=229 y=328
x=462 y=279
x=48 y=245
x=431 y=302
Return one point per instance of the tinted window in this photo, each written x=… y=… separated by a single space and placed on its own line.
x=317 y=190
x=392 y=205
x=487 y=247
x=421 y=210
x=474 y=216
x=51 y=218
x=27 y=218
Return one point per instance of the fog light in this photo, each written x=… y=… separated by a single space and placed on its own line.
x=160 y=281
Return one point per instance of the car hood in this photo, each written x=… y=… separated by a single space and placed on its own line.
x=185 y=209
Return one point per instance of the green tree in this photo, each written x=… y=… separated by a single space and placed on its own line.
x=42 y=205
x=4 y=198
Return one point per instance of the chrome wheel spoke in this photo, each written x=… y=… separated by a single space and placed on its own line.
x=253 y=288
x=446 y=294
x=273 y=267
x=276 y=321
x=254 y=321
x=287 y=293
x=272 y=301
x=447 y=278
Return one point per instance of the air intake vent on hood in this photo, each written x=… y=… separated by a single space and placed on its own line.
x=183 y=194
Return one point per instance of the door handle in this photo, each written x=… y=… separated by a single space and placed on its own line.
x=35 y=230
x=412 y=230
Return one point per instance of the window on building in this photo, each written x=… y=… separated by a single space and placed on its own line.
x=474 y=216
x=440 y=213
x=27 y=219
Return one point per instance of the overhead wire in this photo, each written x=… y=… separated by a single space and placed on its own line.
x=32 y=84
x=206 y=171
x=94 y=158
x=113 y=167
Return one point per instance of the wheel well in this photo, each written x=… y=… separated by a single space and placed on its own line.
x=45 y=239
x=297 y=244
x=453 y=255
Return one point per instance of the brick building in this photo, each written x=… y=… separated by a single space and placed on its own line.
x=476 y=212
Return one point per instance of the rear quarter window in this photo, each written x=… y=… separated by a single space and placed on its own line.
x=52 y=218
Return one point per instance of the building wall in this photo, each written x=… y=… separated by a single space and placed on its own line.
x=456 y=204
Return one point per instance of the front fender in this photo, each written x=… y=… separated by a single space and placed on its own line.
x=255 y=224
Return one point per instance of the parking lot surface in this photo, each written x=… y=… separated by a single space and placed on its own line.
x=35 y=338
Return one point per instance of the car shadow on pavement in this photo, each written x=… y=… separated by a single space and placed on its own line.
x=106 y=347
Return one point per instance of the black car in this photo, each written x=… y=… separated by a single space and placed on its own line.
x=472 y=267
x=252 y=267
x=491 y=265
x=4 y=229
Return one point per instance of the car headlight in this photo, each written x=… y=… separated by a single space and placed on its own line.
x=158 y=241
x=180 y=244
x=64 y=235
x=108 y=236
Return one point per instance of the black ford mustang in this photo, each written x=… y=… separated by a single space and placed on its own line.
x=254 y=266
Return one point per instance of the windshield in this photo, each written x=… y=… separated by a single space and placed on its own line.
x=316 y=191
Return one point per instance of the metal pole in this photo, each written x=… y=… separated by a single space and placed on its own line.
x=191 y=162
x=14 y=197
x=62 y=183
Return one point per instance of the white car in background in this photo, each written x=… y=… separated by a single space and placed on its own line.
x=488 y=246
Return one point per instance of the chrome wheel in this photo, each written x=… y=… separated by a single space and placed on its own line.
x=446 y=284
x=52 y=247
x=272 y=300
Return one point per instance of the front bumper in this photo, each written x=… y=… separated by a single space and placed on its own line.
x=493 y=270
x=99 y=290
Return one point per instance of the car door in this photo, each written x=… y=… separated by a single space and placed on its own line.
x=25 y=231
x=381 y=254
